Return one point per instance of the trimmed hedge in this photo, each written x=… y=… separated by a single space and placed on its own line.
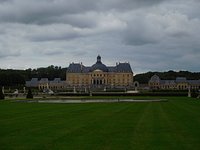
x=194 y=94
x=125 y=94
x=1 y=94
x=163 y=94
x=29 y=95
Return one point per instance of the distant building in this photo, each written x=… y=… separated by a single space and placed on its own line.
x=99 y=75
x=44 y=83
x=180 y=83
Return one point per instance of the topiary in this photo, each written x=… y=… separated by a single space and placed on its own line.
x=29 y=94
x=1 y=94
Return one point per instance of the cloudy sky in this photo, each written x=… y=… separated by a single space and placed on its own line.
x=152 y=35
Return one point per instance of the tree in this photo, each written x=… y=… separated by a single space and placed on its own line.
x=1 y=94
x=29 y=94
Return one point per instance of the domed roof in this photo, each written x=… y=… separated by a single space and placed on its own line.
x=99 y=65
x=155 y=78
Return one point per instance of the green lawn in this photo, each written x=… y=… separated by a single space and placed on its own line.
x=103 y=126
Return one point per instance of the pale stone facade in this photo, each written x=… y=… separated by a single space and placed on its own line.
x=99 y=75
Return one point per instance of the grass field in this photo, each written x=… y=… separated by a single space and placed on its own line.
x=101 y=126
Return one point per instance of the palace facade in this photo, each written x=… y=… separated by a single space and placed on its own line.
x=180 y=83
x=99 y=75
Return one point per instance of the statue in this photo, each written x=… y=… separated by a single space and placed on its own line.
x=104 y=89
x=189 y=92
x=198 y=95
x=3 y=90
x=16 y=92
x=74 y=89
x=24 y=89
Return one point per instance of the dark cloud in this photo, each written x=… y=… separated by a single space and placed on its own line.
x=150 y=34
x=42 y=11
x=35 y=11
x=126 y=4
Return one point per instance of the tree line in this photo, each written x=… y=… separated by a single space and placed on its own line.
x=11 y=77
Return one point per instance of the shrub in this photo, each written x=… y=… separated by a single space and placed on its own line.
x=29 y=94
x=1 y=94
x=175 y=93
x=194 y=94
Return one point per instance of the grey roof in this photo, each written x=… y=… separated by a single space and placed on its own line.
x=86 y=69
x=75 y=68
x=123 y=67
x=44 y=80
x=56 y=80
x=32 y=83
x=99 y=66
x=35 y=82
x=155 y=78
x=194 y=82
x=80 y=68
x=111 y=69
x=181 y=79
x=167 y=82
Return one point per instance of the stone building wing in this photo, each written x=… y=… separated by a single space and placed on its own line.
x=180 y=83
